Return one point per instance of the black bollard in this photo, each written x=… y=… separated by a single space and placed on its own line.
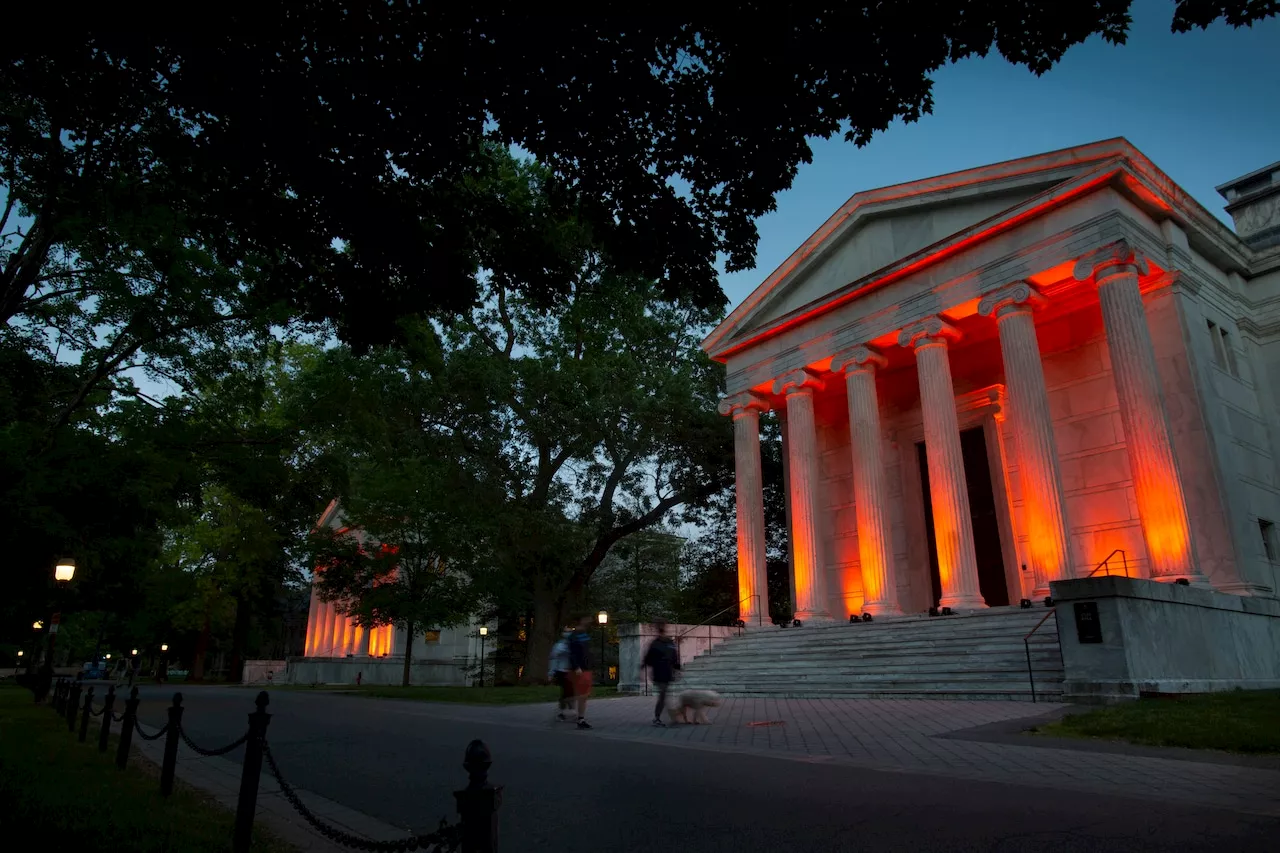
x=108 y=703
x=170 y=763
x=73 y=705
x=126 y=728
x=84 y=715
x=57 y=697
x=251 y=775
x=479 y=802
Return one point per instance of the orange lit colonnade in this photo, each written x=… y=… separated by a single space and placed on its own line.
x=1114 y=272
x=331 y=634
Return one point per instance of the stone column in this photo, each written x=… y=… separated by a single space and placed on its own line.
x=366 y=642
x=802 y=448
x=870 y=492
x=313 y=610
x=330 y=628
x=952 y=522
x=753 y=587
x=1043 y=503
x=1162 y=505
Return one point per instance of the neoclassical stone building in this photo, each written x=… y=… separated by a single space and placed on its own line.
x=1001 y=377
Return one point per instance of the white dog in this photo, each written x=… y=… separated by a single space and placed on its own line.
x=696 y=700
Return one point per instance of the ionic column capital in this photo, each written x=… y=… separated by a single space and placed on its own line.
x=1019 y=296
x=930 y=330
x=742 y=403
x=797 y=381
x=1114 y=259
x=857 y=360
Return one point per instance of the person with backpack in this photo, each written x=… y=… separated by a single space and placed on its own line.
x=580 y=667
x=663 y=660
x=558 y=673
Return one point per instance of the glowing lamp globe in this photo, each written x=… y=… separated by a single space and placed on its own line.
x=21 y=652
x=164 y=647
x=134 y=652
x=602 y=617
x=64 y=570
x=484 y=631
x=37 y=625
x=108 y=655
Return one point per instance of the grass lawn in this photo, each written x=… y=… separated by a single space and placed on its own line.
x=464 y=695
x=1236 y=721
x=57 y=792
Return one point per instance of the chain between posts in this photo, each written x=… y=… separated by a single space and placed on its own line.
x=163 y=731
x=445 y=839
x=211 y=752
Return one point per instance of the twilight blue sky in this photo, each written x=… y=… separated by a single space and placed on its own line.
x=1204 y=106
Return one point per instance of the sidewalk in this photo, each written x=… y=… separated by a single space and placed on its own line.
x=220 y=778
x=912 y=736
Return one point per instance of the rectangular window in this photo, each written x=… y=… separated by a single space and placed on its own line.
x=1268 y=531
x=1219 y=354
x=431 y=636
x=1232 y=367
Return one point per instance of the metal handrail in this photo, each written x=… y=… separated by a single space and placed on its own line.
x=736 y=604
x=1026 y=646
x=1106 y=562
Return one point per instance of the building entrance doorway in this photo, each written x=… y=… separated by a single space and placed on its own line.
x=982 y=512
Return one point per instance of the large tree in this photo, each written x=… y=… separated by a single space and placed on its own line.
x=268 y=133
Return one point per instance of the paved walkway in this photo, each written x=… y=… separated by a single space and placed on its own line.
x=389 y=758
x=917 y=736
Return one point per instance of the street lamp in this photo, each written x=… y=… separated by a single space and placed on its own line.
x=134 y=652
x=164 y=647
x=63 y=570
x=37 y=625
x=484 y=632
x=603 y=618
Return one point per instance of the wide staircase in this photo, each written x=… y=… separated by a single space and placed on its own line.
x=966 y=656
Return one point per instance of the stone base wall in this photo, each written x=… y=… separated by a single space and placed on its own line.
x=634 y=640
x=263 y=671
x=1163 y=638
x=389 y=670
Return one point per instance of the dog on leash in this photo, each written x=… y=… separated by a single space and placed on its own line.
x=697 y=701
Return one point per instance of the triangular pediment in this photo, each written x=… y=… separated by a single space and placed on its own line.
x=879 y=229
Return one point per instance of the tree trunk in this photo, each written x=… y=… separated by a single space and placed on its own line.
x=202 y=649
x=548 y=622
x=408 y=653
x=239 y=639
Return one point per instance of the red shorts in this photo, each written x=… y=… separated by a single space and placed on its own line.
x=581 y=682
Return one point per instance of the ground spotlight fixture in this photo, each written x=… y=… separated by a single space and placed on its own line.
x=1182 y=582
x=1048 y=601
x=947 y=611
x=1025 y=604
x=866 y=617
x=933 y=611
x=741 y=623
x=853 y=618
x=796 y=623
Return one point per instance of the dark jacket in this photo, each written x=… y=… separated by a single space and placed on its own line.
x=663 y=658
x=579 y=643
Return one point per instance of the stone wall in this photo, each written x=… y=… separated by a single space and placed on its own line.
x=634 y=640
x=1164 y=638
x=387 y=670
x=263 y=671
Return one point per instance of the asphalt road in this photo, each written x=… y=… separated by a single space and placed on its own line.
x=572 y=792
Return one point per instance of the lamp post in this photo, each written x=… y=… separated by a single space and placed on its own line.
x=603 y=618
x=64 y=569
x=484 y=632
x=163 y=671
x=133 y=665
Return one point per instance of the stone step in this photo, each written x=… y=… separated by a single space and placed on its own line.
x=996 y=645
x=826 y=638
x=1048 y=694
x=844 y=671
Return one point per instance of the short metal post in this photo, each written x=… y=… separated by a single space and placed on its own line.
x=126 y=728
x=251 y=775
x=170 y=764
x=108 y=703
x=479 y=802
x=73 y=705
x=57 y=697
x=84 y=715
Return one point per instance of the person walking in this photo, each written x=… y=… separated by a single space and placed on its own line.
x=558 y=673
x=580 y=667
x=663 y=660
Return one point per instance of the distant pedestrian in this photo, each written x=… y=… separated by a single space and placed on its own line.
x=663 y=660
x=558 y=673
x=580 y=667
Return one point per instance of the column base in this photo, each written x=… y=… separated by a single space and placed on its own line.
x=881 y=609
x=963 y=602
x=813 y=616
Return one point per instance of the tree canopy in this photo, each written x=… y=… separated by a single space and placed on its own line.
x=334 y=147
